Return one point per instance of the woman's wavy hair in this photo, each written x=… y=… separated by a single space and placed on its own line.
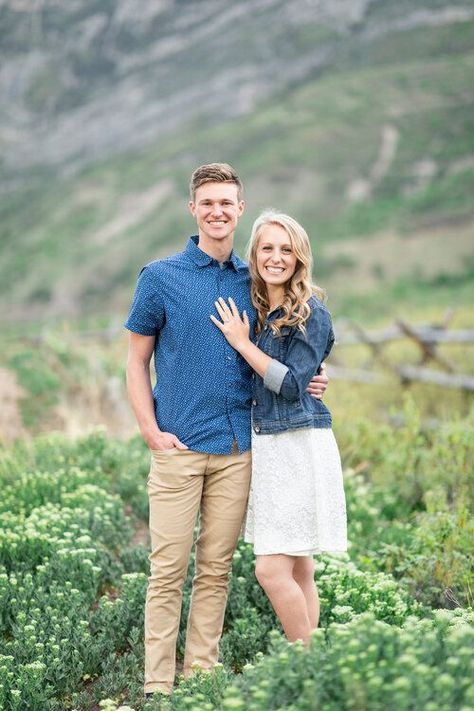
x=298 y=289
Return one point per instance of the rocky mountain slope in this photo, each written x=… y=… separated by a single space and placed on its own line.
x=355 y=114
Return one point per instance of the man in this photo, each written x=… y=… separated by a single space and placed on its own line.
x=196 y=422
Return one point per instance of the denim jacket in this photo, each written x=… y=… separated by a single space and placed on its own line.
x=280 y=401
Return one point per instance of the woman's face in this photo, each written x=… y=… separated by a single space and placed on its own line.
x=276 y=260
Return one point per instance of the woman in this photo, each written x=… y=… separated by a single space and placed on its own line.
x=296 y=504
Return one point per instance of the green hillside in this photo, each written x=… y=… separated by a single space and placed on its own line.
x=380 y=141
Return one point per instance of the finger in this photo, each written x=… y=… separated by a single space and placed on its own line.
x=246 y=319
x=224 y=306
x=179 y=445
x=322 y=367
x=215 y=321
x=234 y=308
x=220 y=311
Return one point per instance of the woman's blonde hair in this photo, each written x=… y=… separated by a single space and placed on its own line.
x=298 y=289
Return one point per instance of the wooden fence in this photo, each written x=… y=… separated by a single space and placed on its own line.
x=427 y=340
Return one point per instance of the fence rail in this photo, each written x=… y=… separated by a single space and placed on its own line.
x=427 y=338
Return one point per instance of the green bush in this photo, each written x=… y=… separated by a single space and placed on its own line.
x=62 y=542
x=436 y=561
x=363 y=664
x=71 y=622
x=405 y=463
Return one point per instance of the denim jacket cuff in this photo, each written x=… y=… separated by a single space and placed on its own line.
x=274 y=375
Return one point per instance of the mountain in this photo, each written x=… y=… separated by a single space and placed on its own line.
x=354 y=115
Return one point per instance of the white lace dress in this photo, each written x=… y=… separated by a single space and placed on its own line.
x=296 y=503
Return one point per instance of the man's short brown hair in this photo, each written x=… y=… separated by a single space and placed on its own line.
x=214 y=173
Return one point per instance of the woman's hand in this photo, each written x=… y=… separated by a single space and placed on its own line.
x=235 y=328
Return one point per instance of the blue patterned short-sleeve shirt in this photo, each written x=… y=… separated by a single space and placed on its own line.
x=203 y=386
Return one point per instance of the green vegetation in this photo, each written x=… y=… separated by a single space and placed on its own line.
x=72 y=583
x=374 y=154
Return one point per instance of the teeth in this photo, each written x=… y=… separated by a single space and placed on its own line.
x=275 y=270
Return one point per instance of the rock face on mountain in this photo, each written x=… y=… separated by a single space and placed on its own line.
x=80 y=81
x=354 y=115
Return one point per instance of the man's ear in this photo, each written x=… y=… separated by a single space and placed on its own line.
x=241 y=207
x=192 y=208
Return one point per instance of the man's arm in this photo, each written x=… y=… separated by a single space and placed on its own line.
x=319 y=383
x=140 y=351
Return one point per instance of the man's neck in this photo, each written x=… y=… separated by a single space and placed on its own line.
x=218 y=250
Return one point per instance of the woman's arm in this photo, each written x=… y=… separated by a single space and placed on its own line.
x=305 y=354
x=290 y=379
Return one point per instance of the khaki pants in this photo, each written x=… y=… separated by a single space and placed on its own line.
x=181 y=484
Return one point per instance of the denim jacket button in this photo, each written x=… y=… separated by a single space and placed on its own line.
x=256 y=429
x=254 y=402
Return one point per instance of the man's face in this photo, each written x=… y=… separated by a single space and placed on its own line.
x=217 y=209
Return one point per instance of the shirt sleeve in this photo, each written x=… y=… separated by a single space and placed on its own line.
x=146 y=315
x=305 y=354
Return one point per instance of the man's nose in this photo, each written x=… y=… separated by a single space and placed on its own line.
x=217 y=209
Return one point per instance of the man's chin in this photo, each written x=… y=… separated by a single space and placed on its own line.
x=219 y=236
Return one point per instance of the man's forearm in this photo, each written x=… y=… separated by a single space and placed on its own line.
x=141 y=398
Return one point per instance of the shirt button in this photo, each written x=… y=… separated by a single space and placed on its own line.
x=229 y=358
x=254 y=402
x=256 y=429
x=265 y=327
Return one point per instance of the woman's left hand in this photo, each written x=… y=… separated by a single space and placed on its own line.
x=235 y=328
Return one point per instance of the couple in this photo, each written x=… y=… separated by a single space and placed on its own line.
x=235 y=349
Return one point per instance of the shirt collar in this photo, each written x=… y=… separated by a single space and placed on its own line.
x=201 y=259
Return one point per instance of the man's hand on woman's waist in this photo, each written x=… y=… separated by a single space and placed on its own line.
x=318 y=384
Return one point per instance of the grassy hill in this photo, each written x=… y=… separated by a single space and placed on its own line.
x=374 y=153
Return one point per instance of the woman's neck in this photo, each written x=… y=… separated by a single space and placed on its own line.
x=275 y=297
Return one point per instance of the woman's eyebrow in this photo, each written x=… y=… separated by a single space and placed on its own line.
x=271 y=244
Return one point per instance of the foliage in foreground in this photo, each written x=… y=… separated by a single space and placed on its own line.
x=72 y=588
x=363 y=664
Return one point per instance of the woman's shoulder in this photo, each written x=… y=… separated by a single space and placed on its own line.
x=318 y=308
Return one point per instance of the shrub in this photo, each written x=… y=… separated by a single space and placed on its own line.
x=364 y=664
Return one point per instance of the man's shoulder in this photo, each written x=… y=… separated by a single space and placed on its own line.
x=158 y=266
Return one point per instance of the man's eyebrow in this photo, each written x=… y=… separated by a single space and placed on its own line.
x=218 y=200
